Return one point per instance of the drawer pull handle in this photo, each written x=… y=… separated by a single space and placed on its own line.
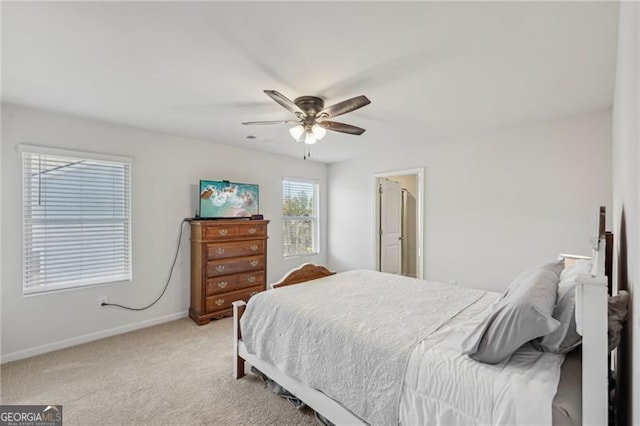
x=219 y=302
x=254 y=263
x=220 y=268
x=251 y=279
x=220 y=250
x=222 y=284
x=252 y=230
x=254 y=247
x=253 y=293
x=222 y=231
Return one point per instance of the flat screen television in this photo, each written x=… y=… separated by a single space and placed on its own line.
x=224 y=199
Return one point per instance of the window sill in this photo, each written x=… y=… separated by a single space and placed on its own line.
x=64 y=289
x=294 y=256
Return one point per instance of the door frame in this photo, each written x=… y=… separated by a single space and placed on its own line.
x=419 y=174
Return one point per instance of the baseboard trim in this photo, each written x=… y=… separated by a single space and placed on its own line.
x=50 y=347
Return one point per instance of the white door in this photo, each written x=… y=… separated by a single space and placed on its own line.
x=390 y=193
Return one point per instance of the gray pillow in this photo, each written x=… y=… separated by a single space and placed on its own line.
x=566 y=338
x=522 y=314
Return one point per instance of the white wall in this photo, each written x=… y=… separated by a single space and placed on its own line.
x=495 y=204
x=626 y=179
x=165 y=174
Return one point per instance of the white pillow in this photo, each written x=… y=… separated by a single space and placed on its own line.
x=565 y=338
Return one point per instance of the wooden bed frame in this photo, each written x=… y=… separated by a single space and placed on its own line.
x=591 y=321
x=303 y=273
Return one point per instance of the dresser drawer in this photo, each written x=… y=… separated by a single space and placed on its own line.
x=227 y=283
x=252 y=230
x=236 y=229
x=250 y=279
x=223 y=301
x=220 y=232
x=223 y=284
x=234 y=249
x=234 y=265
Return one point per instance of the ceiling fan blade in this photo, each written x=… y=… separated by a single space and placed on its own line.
x=285 y=102
x=247 y=123
x=341 y=127
x=344 y=107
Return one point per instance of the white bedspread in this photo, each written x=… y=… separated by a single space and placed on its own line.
x=442 y=386
x=365 y=326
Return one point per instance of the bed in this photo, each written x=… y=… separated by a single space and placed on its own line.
x=364 y=347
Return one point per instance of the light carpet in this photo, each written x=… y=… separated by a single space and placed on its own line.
x=177 y=373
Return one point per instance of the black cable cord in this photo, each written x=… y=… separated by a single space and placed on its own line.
x=175 y=258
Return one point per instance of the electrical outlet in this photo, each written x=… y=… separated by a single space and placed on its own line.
x=103 y=299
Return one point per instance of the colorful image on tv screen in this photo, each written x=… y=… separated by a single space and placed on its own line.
x=227 y=199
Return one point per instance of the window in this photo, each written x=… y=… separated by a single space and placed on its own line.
x=300 y=210
x=76 y=219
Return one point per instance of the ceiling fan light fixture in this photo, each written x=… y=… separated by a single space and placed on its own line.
x=310 y=139
x=297 y=132
x=318 y=131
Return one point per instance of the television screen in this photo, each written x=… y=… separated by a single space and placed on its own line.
x=224 y=199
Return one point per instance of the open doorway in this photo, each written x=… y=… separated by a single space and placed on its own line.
x=399 y=222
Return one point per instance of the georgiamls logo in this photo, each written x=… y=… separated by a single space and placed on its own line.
x=31 y=415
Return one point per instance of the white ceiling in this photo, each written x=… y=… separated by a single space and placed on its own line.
x=432 y=70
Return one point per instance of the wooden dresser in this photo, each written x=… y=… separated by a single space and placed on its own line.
x=228 y=262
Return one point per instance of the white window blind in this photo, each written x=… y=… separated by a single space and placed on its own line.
x=76 y=218
x=300 y=221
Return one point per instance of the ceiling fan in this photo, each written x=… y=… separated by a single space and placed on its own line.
x=313 y=118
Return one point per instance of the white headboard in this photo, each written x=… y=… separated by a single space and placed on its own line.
x=591 y=322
